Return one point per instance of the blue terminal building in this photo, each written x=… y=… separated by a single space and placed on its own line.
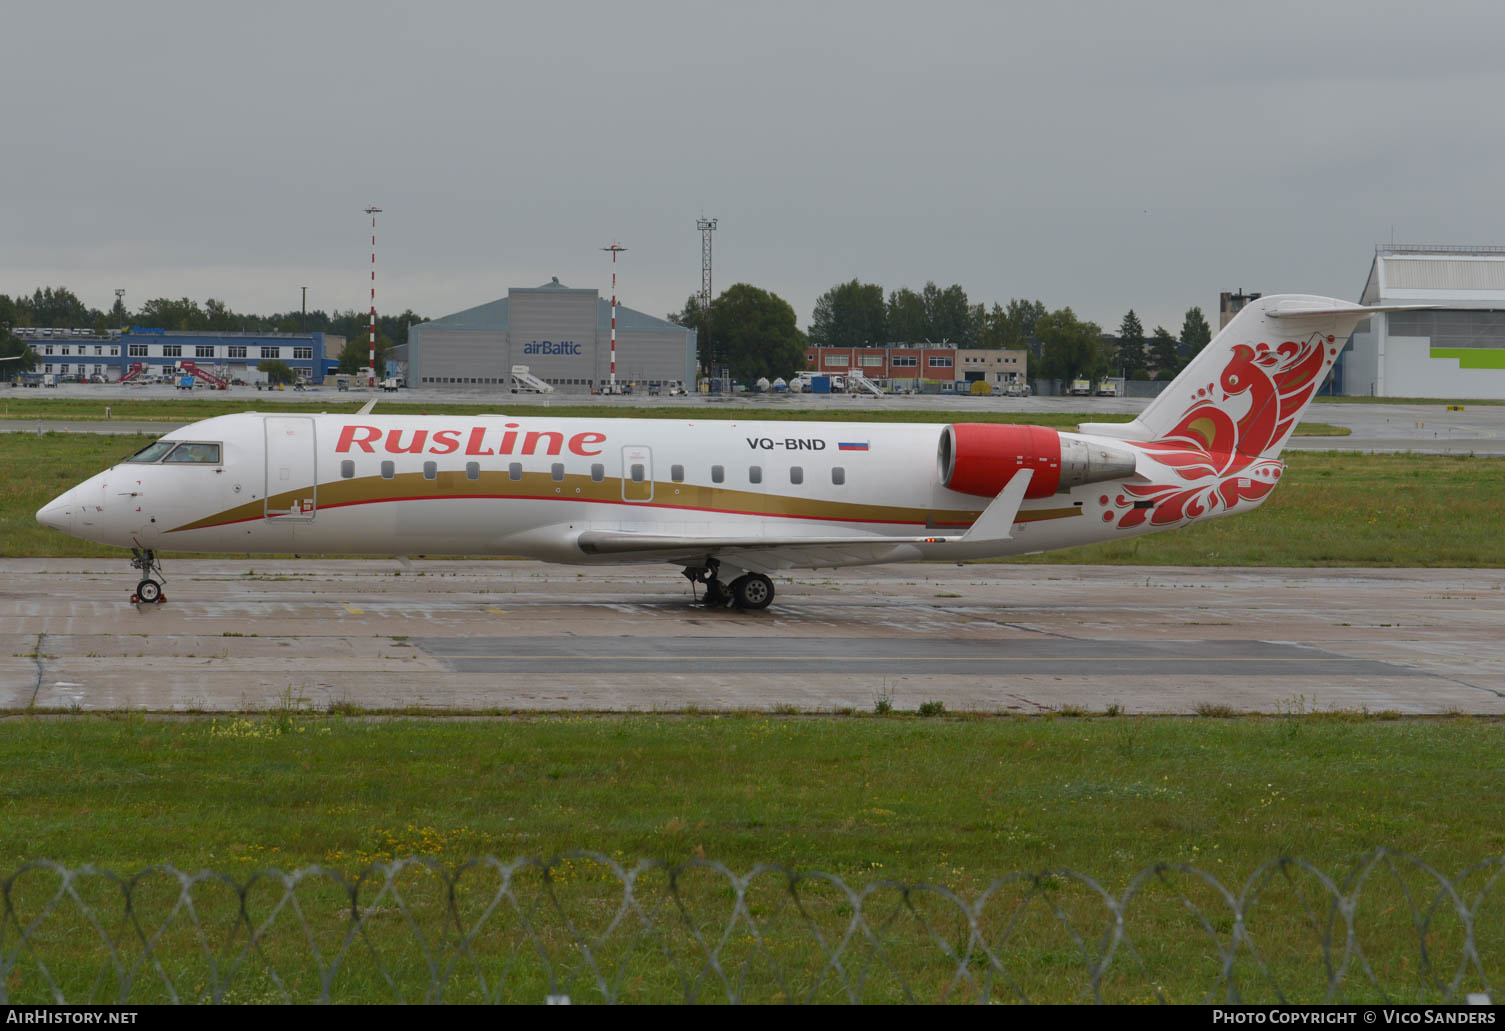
x=138 y=354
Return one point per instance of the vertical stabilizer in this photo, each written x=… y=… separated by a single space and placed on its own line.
x=1247 y=389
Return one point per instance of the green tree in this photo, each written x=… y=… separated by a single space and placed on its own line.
x=1070 y=349
x=15 y=357
x=277 y=371
x=166 y=313
x=757 y=334
x=994 y=329
x=1022 y=317
x=1195 y=335
x=850 y=315
x=1163 y=354
x=693 y=316
x=948 y=315
x=1129 y=352
x=55 y=307
x=907 y=320
x=355 y=356
x=119 y=315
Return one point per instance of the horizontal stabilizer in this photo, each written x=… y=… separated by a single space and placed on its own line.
x=1298 y=311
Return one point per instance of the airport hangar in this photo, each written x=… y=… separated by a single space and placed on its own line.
x=1456 y=349
x=563 y=336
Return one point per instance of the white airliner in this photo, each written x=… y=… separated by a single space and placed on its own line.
x=730 y=502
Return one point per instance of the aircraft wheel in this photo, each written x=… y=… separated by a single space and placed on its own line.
x=752 y=591
x=148 y=591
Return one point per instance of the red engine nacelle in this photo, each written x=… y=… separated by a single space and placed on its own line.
x=980 y=458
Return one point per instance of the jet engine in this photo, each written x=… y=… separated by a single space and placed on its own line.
x=980 y=458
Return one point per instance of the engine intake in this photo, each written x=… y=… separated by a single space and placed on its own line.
x=981 y=458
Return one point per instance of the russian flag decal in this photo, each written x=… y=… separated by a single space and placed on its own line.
x=842 y=445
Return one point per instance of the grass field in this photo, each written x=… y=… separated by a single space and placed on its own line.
x=951 y=801
x=1332 y=509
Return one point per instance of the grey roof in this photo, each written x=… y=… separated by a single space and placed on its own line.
x=629 y=319
x=493 y=315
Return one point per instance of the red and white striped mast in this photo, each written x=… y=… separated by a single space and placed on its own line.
x=615 y=249
x=373 y=211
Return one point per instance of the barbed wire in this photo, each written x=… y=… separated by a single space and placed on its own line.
x=584 y=927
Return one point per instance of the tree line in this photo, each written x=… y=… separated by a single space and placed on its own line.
x=60 y=308
x=1062 y=346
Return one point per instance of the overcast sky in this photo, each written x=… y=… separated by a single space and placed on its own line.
x=1102 y=156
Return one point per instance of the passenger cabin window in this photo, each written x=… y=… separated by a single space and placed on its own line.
x=515 y=471
x=598 y=472
x=755 y=474
x=195 y=454
x=472 y=470
x=557 y=471
x=677 y=473
x=638 y=472
x=152 y=452
x=796 y=474
x=718 y=474
x=430 y=470
x=838 y=475
x=347 y=469
x=388 y=470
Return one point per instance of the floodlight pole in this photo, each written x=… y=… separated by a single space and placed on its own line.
x=615 y=249
x=373 y=211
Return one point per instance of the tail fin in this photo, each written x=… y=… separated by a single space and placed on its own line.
x=1247 y=389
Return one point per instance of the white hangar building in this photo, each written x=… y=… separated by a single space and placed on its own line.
x=562 y=335
x=1456 y=350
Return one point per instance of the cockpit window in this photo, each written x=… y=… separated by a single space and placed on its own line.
x=152 y=452
x=195 y=453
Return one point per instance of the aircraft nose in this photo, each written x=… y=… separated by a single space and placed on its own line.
x=59 y=513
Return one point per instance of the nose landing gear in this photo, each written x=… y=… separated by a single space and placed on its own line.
x=148 y=591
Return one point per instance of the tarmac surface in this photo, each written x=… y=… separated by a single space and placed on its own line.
x=482 y=636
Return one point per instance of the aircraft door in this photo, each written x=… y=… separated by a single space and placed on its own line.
x=292 y=482
x=637 y=473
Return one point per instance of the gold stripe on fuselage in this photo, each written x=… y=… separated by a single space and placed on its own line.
x=493 y=485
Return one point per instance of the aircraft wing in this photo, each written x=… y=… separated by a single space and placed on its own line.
x=995 y=524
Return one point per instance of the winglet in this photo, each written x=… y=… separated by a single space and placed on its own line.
x=366 y=408
x=997 y=520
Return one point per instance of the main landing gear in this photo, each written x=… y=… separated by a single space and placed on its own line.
x=748 y=591
x=148 y=591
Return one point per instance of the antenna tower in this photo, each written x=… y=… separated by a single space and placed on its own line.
x=707 y=226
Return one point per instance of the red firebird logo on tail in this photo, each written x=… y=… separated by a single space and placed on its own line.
x=1207 y=444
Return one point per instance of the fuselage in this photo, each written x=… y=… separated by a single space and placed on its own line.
x=527 y=486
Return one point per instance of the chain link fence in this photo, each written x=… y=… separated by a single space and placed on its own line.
x=587 y=928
